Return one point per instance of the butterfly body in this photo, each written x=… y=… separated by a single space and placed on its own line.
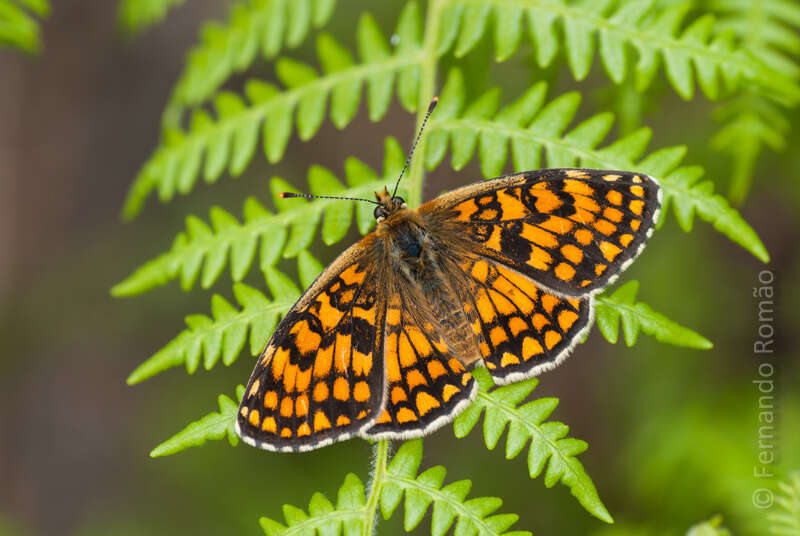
x=501 y=273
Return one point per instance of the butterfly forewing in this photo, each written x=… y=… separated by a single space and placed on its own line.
x=321 y=377
x=571 y=230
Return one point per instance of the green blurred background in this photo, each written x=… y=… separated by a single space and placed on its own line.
x=672 y=432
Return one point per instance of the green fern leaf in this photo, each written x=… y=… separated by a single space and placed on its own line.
x=230 y=139
x=224 y=334
x=323 y=517
x=135 y=16
x=752 y=122
x=767 y=28
x=471 y=516
x=621 y=306
x=533 y=129
x=18 y=28
x=253 y=26
x=284 y=233
x=212 y=426
x=548 y=444
x=786 y=520
x=681 y=188
x=655 y=33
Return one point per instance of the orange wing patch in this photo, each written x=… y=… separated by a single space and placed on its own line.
x=317 y=380
x=426 y=385
x=572 y=230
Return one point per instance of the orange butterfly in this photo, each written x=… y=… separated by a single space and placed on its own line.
x=499 y=273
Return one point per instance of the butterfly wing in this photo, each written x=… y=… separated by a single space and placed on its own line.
x=321 y=377
x=571 y=230
x=523 y=329
x=426 y=385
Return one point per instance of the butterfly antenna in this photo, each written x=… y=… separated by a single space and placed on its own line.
x=431 y=106
x=290 y=195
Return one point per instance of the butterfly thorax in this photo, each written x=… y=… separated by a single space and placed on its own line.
x=423 y=267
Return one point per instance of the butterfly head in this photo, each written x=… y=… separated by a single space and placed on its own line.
x=387 y=205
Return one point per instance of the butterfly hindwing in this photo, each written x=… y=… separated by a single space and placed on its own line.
x=426 y=385
x=320 y=379
x=523 y=329
x=571 y=230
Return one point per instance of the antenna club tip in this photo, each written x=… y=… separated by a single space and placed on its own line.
x=284 y=195
x=434 y=102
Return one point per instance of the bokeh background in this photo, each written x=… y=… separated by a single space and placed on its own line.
x=672 y=432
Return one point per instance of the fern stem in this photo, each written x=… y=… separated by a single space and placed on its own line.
x=426 y=92
x=381 y=455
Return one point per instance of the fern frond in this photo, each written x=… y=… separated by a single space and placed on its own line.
x=283 y=233
x=768 y=29
x=253 y=25
x=352 y=514
x=213 y=426
x=450 y=503
x=655 y=33
x=548 y=444
x=786 y=521
x=534 y=128
x=134 y=16
x=751 y=124
x=323 y=517
x=18 y=28
x=224 y=333
x=621 y=307
x=209 y=146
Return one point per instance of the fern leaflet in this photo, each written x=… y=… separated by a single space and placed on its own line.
x=547 y=440
x=225 y=334
x=18 y=28
x=767 y=28
x=655 y=33
x=533 y=129
x=471 y=516
x=786 y=520
x=211 y=427
x=621 y=307
x=323 y=517
x=135 y=16
x=209 y=146
x=253 y=26
x=283 y=233
x=752 y=122
x=354 y=512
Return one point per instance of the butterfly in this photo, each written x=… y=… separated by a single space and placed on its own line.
x=500 y=273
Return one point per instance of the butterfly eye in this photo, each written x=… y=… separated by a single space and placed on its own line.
x=379 y=212
x=398 y=201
